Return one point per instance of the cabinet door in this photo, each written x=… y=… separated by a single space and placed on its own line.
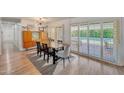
x=27 y=39
x=43 y=37
x=25 y=36
x=29 y=36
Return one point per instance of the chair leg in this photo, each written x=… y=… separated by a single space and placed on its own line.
x=40 y=53
x=63 y=62
x=69 y=59
x=37 y=52
x=44 y=56
x=48 y=58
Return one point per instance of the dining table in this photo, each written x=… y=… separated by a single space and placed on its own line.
x=55 y=46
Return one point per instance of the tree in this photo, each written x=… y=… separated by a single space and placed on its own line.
x=107 y=33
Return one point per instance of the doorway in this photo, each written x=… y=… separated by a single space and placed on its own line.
x=8 y=35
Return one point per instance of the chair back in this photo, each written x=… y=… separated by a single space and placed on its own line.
x=45 y=48
x=38 y=45
x=60 y=41
x=44 y=45
x=67 y=50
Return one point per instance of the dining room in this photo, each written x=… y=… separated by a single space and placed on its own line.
x=61 y=45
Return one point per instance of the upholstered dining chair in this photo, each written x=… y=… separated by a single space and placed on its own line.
x=59 y=41
x=65 y=54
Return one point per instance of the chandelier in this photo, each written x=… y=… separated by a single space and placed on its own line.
x=41 y=23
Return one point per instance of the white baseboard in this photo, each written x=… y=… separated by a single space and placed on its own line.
x=23 y=49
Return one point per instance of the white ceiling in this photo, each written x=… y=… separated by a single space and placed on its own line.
x=11 y=19
x=47 y=19
x=52 y=19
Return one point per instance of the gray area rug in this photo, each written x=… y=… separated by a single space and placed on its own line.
x=43 y=66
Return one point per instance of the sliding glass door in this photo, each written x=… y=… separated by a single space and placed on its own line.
x=108 y=41
x=83 y=39
x=74 y=38
x=95 y=40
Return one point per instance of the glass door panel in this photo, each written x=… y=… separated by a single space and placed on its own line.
x=74 y=38
x=59 y=31
x=108 y=41
x=95 y=40
x=83 y=39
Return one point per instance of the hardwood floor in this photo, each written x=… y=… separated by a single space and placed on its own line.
x=13 y=62
x=84 y=66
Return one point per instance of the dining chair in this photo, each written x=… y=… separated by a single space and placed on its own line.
x=47 y=51
x=39 y=48
x=65 y=54
x=59 y=41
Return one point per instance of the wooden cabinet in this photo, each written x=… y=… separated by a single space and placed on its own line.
x=27 y=39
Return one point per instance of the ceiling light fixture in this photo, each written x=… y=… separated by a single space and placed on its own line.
x=40 y=22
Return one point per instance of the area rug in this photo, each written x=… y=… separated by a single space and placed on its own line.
x=43 y=66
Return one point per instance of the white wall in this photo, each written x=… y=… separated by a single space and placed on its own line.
x=26 y=22
x=30 y=22
x=18 y=36
x=121 y=45
x=0 y=38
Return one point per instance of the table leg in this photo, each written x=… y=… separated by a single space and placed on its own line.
x=44 y=56
x=54 y=56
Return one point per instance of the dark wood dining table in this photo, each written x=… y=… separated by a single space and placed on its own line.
x=55 y=47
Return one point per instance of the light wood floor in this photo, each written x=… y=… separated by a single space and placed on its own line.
x=13 y=62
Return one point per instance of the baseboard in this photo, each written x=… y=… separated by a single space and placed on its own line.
x=25 y=49
x=99 y=60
